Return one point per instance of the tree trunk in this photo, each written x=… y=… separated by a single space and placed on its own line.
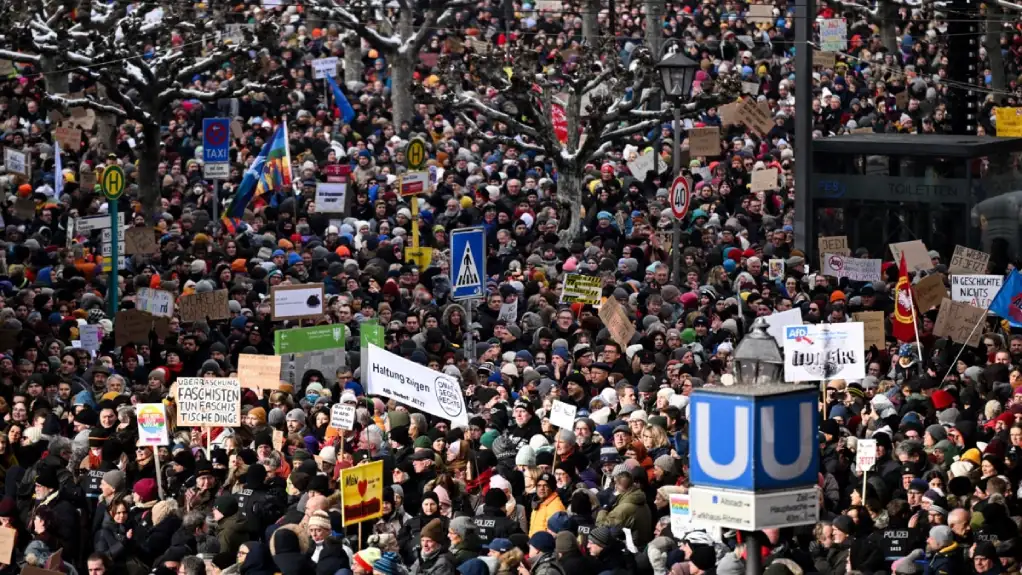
x=56 y=80
x=888 y=14
x=569 y=192
x=992 y=42
x=401 y=87
x=148 y=162
x=591 y=22
x=654 y=26
x=353 y=67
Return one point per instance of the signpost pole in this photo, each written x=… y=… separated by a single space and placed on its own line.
x=113 y=284
x=216 y=203
x=469 y=344
x=676 y=160
x=159 y=480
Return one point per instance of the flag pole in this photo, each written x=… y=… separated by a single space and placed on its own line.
x=919 y=345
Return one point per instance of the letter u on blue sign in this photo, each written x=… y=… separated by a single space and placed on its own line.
x=753 y=442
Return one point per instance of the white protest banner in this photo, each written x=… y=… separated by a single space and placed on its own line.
x=415 y=385
x=855 y=269
x=644 y=163
x=208 y=401
x=777 y=321
x=296 y=302
x=90 y=336
x=331 y=197
x=152 y=424
x=582 y=289
x=976 y=290
x=508 y=312
x=824 y=351
x=342 y=416
x=323 y=67
x=562 y=415
x=157 y=302
x=865 y=454
x=16 y=162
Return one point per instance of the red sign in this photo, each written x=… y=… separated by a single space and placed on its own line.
x=413 y=183
x=679 y=197
x=337 y=173
x=560 y=123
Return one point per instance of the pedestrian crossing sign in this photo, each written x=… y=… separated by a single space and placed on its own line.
x=468 y=263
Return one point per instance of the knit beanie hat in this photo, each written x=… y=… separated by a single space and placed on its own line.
x=115 y=479
x=434 y=530
x=526 y=456
x=389 y=563
x=320 y=519
x=564 y=542
x=367 y=557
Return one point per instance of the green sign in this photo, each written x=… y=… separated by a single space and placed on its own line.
x=113 y=182
x=371 y=332
x=306 y=339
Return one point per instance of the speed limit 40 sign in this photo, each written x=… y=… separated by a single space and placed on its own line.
x=679 y=197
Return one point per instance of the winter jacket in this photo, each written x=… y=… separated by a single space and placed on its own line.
x=492 y=523
x=543 y=511
x=546 y=564
x=630 y=511
x=232 y=532
x=947 y=561
x=439 y=562
x=112 y=539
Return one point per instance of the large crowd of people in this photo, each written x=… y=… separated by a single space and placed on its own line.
x=510 y=494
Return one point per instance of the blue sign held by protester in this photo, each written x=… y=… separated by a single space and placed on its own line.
x=752 y=440
x=468 y=263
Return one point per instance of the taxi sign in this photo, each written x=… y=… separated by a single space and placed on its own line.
x=113 y=182
x=415 y=155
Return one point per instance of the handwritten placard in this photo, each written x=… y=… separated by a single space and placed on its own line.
x=70 y=138
x=929 y=292
x=764 y=180
x=132 y=326
x=259 y=372
x=562 y=414
x=704 y=141
x=957 y=320
x=616 y=319
x=8 y=537
x=141 y=240
x=832 y=245
x=278 y=440
x=202 y=306
x=873 y=327
x=967 y=261
x=917 y=259
x=824 y=59
x=208 y=401
x=754 y=116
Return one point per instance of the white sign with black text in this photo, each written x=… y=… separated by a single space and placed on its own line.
x=975 y=290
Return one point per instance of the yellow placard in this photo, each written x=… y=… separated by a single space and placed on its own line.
x=362 y=493
x=1009 y=122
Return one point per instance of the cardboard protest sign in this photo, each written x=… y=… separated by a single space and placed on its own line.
x=87 y=180
x=141 y=240
x=8 y=538
x=208 y=401
x=278 y=440
x=202 y=306
x=917 y=259
x=704 y=141
x=929 y=291
x=760 y=14
x=873 y=327
x=764 y=180
x=259 y=372
x=24 y=208
x=158 y=303
x=957 y=320
x=616 y=319
x=754 y=116
x=832 y=245
x=297 y=301
x=967 y=261
x=640 y=166
x=132 y=326
x=70 y=138
x=824 y=59
x=729 y=114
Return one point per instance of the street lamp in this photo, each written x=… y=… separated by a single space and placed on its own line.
x=677 y=72
x=758 y=358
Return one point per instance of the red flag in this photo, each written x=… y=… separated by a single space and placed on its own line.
x=560 y=123
x=903 y=321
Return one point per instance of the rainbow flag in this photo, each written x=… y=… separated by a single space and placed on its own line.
x=270 y=172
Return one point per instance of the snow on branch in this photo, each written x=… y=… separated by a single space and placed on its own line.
x=65 y=103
